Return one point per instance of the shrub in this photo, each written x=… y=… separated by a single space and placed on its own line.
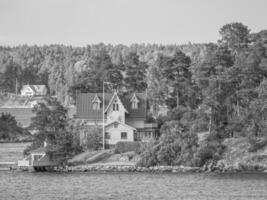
x=149 y=154
x=93 y=138
x=10 y=130
x=176 y=146
x=256 y=143
x=211 y=149
x=122 y=147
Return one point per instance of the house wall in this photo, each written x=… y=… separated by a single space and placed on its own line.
x=95 y=122
x=26 y=91
x=42 y=92
x=36 y=154
x=115 y=133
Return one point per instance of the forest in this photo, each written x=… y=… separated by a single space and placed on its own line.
x=217 y=87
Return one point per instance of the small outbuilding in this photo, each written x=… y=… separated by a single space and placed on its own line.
x=42 y=159
x=33 y=90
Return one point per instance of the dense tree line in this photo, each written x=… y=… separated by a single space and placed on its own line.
x=222 y=93
x=66 y=69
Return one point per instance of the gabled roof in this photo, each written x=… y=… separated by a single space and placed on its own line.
x=29 y=86
x=35 y=88
x=134 y=98
x=96 y=99
x=125 y=125
x=85 y=108
x=111 y=101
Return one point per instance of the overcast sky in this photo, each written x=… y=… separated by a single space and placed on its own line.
x=81 y=22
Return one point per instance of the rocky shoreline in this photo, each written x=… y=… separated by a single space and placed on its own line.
x=128 y=168
x=223 y=166
x=210 y=167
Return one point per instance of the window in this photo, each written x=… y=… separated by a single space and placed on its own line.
x=134 y=105
x=107 y=135
x=115 y=125
x=124 y=135
x=96 y=106
x=96 y=103
x=37 y=157
x=115 y=105
x=134 y=101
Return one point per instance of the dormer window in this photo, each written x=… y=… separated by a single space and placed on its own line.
x=134 y=102
x=115 y=105
x=96 y=103
x=134 y=105
x=96 y=106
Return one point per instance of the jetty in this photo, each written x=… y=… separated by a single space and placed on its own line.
x=7 y=165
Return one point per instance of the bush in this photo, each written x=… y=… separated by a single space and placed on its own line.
x=122 y=147
x=10 y=130
x=211 y=149
x=176 y=146
x=93 y=138
x=256 y=143
x=149 y=154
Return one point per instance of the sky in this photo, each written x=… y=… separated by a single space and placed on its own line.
x=82 y=22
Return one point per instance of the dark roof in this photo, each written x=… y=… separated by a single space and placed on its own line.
x=50 y=148
x=33 y=88
x=39 y=150
x=85 y=108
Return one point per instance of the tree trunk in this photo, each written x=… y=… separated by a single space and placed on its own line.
x=177 y=99
x=237 y=109
x=210 y=122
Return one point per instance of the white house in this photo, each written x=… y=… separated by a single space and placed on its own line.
x=124 y=116
x=33 y=90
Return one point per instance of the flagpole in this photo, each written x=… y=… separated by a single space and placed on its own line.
x=103 y=124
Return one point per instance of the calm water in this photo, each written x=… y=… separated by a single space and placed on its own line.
x=48 y=186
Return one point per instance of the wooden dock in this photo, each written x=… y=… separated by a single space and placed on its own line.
x=5 y=166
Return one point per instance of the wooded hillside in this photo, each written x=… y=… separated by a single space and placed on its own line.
x=61 y=67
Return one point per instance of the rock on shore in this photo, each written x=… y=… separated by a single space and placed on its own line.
x=129 y=168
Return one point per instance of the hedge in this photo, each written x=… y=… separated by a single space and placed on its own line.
x=122 y=147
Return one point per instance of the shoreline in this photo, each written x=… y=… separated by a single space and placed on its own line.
x=131 y=168
x=154 y=169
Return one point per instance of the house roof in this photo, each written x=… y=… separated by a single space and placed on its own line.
x=39 y=88
x=112 y=100
x=39 y=150
x=35 y=88
x=85 y=108
x=125 y=125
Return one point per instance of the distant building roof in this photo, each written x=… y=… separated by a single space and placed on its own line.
x=32 y=88
x=35 y=88
x=85 y=107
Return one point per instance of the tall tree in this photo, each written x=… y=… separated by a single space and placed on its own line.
x=235 y=36
x=176 y=71
x=51 y=124
x=135 y=73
